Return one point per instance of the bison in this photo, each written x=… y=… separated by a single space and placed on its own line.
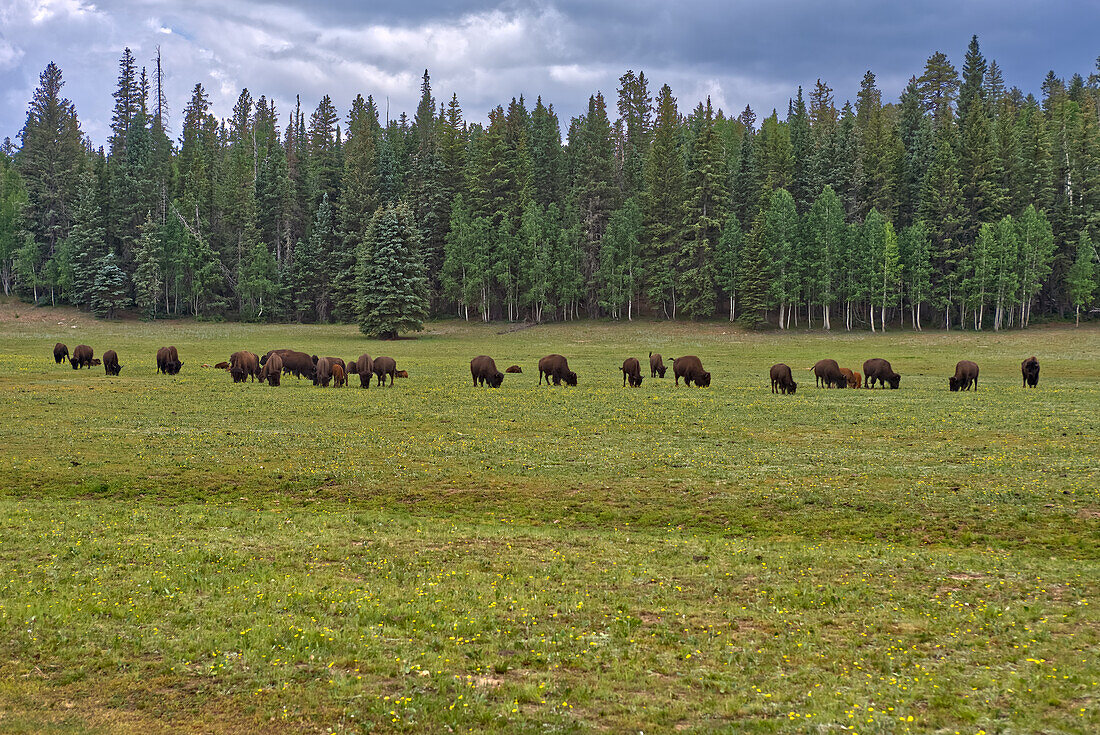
x=877 y=369
x=384 y=366
x=298 y=363
x=272 y=371
x=782 y=381
x=244 y=364
x=221 y=366
x=110 y=363
x=1030 y=370
x=339 y=377
x=632 y=372
x=168 y=361
x=60 y=353
x=656 y=365
x=690 y=368
x=557 y=368
x=484 y=370
x=364 y=368
x=82 y=357
x=514 y=369
x=966 y=374
x=322 y=371
x=852 y=378
x=828 y=374
x=402 y=373
x=858 y=380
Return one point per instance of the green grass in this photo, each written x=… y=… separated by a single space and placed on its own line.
x=186 y=553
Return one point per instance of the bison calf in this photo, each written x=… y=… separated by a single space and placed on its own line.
x=339 y=377
x=656 y=365
x=966 y=374
x=483 y=369
x=1030 y=370
x=514 y=369
x=556 y=367
x=782 y=380
x=877 y=369
x=632 y=372
x=110 y=363
x=690 y=368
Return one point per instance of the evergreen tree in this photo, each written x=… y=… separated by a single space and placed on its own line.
x=727 y=261
x=593 y=186
x=824 y=236
x=110 y=292
x=13 y=202
x=706 y=212
x=664 y=204
x=393 y=289
x=779 y=241
x=359 y=199
x=86 y=245
x=148 y=279
x=941 y=210
x=620 y=261
x=259 y=283
x=753 y=278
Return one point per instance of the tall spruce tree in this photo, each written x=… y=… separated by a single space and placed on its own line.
x=393 y=288
x=664 y=204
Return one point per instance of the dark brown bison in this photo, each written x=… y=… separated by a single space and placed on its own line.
x=364 y=368
x=339 y=361
x=297 y=363
x=828 y=374
x=556 y=367
x=82 y=357
x=60 y=353
x=877 y=369
x=632 y=372
x=168 y=361
x=221 y=366
x=514 y=369
x=484 y=370
x=782 y=380
x=656 y=365
x=97 y=362
x=110 y=363
x=243 y=365
x=690 y=368
x=384 y=366
x=322 y=371
x=272 y=371
x=339 y=377
x=1030 y=370
x=966 y=374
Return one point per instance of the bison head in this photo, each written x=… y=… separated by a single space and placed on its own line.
x=636 y=381
x=496 y=379
x=894 y=381
x=174 y=367
x=661 y=371
x=75 y=363
x=571 y=378
x=792 y=387
x=703 y=382
x=954 y=383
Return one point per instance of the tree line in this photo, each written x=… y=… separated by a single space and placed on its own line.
x=965 y=204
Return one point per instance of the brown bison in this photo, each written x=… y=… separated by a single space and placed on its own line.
x=966 y=374
x=364 y=368
x=402 y=373
x=82 y=357
x=60 y=353
x=221 y=366
x=484 y=370
x=782 y=380
x=244 y=364
x=384 y=366
x=656 y=365
x=322 y=371
x=97 y=362
x=632 y=372
x=339 y=377
x=514 y=369
x=557 y=368
x=168 y=361
x=690 y=368
x=1030 y=370
x=297 y=363
x=877 y=369
x=110 y=363
x=854 y=379
x=272 y=371
x=828 y=374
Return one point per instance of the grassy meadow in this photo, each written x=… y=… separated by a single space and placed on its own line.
x=183 y=554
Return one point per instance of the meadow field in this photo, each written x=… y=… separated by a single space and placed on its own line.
x=183 y=554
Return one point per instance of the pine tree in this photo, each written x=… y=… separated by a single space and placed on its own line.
x=593 y=186
x=1081 y=276
x=86 y=242
x=547 y=157
x=635 y=115
x=259 y=283
x=325 y=166
x=393 y=289
x=147 y=275
x=706 y=212
x=779 y=241
x=359 y=200
x=938 y=87
x=110 y=292
x=664 y=204
x=753 y=278
x=13 y=202
x=620 y=261
x=727 y=261
x=941 y=210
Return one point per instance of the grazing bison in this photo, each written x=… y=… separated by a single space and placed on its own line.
x=690 y=368
x=272 y=371
x=484 y=370
x=339 y=377
x=82 y=357
x=97 y=362
x=298 y=363
x=110 y=363
x=364 y=368
x=221 y=366
x=877 y=369
x=60 y=353
x=384 y=366
x=852 y=378
x=858 y=380
x=402 y=373
x=966 y=374
x=782 y=381
x=514 y=369
x=168 y=361
x=656 y=365
x=632 y=372
x=828 y=374
x=556 y=367
x=339 y=361
x=1030 y=370
x=244 y=364
x=322 y=371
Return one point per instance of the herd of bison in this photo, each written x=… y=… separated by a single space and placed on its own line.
x=322 y=371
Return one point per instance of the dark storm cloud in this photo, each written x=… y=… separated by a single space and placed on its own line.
x=738 y=52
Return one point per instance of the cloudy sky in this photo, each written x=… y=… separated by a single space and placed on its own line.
x=738 y=51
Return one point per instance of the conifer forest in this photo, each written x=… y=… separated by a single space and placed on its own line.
x=963 y=204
